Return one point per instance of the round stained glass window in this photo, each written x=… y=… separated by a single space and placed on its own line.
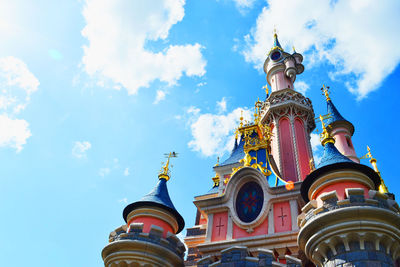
x=276 y=55
x=249 y=202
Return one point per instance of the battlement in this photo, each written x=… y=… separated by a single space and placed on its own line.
x=354 y=198
x=359 y=229
x=240 y=256
x=135 y=233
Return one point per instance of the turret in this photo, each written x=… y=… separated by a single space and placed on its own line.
x=281 y=67
x=340 y=129
x=346 y=221
x=149 y=235
x=288 y=113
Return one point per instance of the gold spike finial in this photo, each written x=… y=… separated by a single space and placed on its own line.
x=294 y=50
x=372 y=160
x=325 y=135
x=217 y=162
x=241 y=118
x=325 y=91
x=165 y=170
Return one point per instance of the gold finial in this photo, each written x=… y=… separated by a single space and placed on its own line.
x=217 y=162
x=275 y=34
x=165 y=170
x=216 y=180
x=257 y=111
x=325 y=135
x=325 y=91
x=241 y=118
x=294 y=50
x=265 y=87
x=372 y=160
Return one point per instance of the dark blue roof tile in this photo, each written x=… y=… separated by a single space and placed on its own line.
x=332 y=156
x=158 y=197
x=236 y=155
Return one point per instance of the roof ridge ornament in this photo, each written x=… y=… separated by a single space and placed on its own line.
x=165 y=171
x=382 y=186
x=326 y=92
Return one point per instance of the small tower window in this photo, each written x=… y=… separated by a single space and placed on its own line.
x=348 y=139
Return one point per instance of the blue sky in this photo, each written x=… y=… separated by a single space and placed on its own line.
x=93 y=93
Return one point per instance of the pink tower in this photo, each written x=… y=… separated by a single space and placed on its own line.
x=341 y=129
x=289 y=114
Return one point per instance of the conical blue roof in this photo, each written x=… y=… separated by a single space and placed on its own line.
x=276 y=42
x=335 y=115
x=332 y=156
x=158 y=197
x=236 y=155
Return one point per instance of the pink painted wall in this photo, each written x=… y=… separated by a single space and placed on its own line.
x=220 y=224
x=340 y=189
x=149 y=221
x=279 y=81
x=282 y=217
x=342 y=145
x=262 y=229
x=302 y=148
x=288 y=163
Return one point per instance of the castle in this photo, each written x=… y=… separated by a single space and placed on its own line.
x=269 y=204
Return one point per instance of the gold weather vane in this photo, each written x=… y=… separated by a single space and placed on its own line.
x=372 y=160
x=325 y=91
x=165 y=170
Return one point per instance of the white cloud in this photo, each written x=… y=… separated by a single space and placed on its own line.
x=13 y=132
x=244 y=3
x=79 y=149
x=357 y=37
x=221 y=105
x=119 y=33
x=126 y=172
x=213 y=134
x=104 y=172
x=301 y=87
x=17 y=84
x=160 y=95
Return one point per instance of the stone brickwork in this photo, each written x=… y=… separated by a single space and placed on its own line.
x=355 y=231
x=239 y=256
x=154 y=236
x=136 y=248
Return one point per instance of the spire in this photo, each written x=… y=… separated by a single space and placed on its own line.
x=158 y=197
x=334 y=115
x=331 y=154
x=276 y=42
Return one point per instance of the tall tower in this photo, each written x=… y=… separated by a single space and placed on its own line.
x=340 y=129
x=149 y=236
x=346 y=222
x=288 y=113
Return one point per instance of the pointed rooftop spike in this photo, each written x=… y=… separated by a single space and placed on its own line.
x=158 y=197
x=336 y=117
x=276 y=41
